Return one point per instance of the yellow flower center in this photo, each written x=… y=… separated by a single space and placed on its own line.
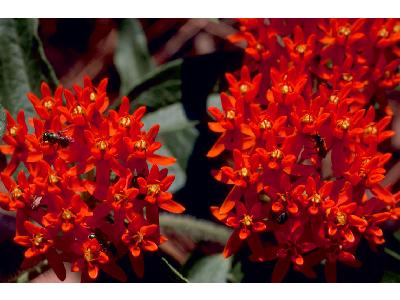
x=347 y=77
x=244 y=172
x=247 y=220
x=119 y=197
x=383 y=32
x=125 y=122
x=102 y=145
x=343 y=124
x=307 y=119
x=53 y=179
x=277 y=154
x=334 y=99
x=16 y=193
x=67 y=214
x=316 y=198
x=341 y=218
x=48 y=104
x=344 y=30
x=230 y=114
x=88 y=254
x=259 y=47
x=244 y=88
x=371 y=129
x=78 y=110
x=396 y=28
x=13 y=130
x=37 y=239
x=92 y=97
x=138 y=237
x=140 y=145
x=285 y=89
x=265 y=124
x=153 y=189
x=301 y=48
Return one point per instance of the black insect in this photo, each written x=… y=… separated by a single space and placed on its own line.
x=320 y=145
x=56 y=138
x=106 y=245
x=281 y=218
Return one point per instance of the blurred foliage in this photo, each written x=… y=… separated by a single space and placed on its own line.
x=197 y=230
x=158 y=88
x=178 y=135
x=132 y=58
x=23 y=65
x=391 y=277
x=213 y=268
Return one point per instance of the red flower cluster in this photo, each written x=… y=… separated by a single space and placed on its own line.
x=300 y=123
x=93 y=189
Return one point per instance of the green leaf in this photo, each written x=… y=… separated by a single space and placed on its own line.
x=23 y=65
x=158 y=88
x=2 y=120
x=236 y=275
x=214 y=268
x=159 y=96
x=132 y=58
x=397 y=235
x=198 y=230
x=391 y=277
x=392 y=253
x=178 y=136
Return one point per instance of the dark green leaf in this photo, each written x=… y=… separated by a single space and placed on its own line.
x=163 y=82
x=391 y=277
x=178 y=135
x=236 y=275
x=159 y=96
x=2 y=120
x=214 y=268
x=23 y=65
x=392 y=253
x=132 y=58
x=397 y=235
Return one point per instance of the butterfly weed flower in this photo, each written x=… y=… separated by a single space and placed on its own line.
x=89 y=170
x=302 y=122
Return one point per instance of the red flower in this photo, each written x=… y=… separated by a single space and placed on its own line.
x=286 y=86
x=311 y=163
x=38 y=240
x=141 y=147
x=47 y=106
x=92 y=257
x=19 y=192
x=245 y=88
x=245 y=223
x=17 y=146
x=88 y=172
x=317 y=200
x=300 y=50
x=245 y=170
x=68 y=215
x=342 y=219
x=139 y=237
x=155 y=187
